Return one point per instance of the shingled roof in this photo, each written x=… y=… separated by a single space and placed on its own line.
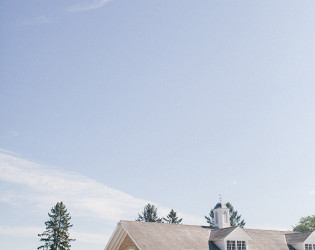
x=219 y=234
x=296 y=237
x=267 y=239
x=157 y=236
x=164 y=236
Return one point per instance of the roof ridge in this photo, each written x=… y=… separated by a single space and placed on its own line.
x=273 y=230
x=224 y=228
x=174 y=224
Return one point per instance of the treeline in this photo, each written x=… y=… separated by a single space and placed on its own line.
x=56 y=235
x=149 y=214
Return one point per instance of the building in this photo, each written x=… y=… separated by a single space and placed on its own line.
x=135 y=235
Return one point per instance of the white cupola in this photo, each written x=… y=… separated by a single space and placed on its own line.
x=221 y=216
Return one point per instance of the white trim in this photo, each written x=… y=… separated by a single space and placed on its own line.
x=112 y=236
x=120 y=238
x=311 y=234
x=117 y=238
x=131 y=237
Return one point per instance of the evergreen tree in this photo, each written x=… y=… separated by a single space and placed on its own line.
x=210 y=218
x=56 y=235
x=172 y=218
x=149 y=214
x=305 y=224
x=235 y=218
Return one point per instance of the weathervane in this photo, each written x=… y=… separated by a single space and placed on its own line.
x=220 y=197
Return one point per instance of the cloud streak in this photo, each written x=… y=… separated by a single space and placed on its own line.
x=34 y=188
x=23 y=232
x=40 y=187
x=38 y=20
x=88 y=5
x=29 y=232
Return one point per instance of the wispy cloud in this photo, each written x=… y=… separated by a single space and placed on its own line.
x=41 y=186
x=88 y=5
x=23 y=232
x=33 y=187
x=9 y=134
x=94 y=238
x=312 y=192
x=4 y=151
x=29 y=232
x=38 y=20
x=30 y=183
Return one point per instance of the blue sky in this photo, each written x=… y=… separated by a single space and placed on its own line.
x=173 y=102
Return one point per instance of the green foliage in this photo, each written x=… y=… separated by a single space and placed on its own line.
x=172 y=218
x=149 y=214
x=305 y=224
x=56 y=235
x=210 y=218
x=235 y=218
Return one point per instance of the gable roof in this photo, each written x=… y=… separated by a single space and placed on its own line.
x=158 y=236
x=219 y=234
x=267 y=239
x=164 y=236
x=297 y=237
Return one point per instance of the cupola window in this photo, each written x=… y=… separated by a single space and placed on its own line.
x=225 y=217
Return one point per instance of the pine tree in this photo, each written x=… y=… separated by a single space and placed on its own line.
x=149 y=214
x=172 y=218
x=56 y=235
x=235 y=218
x=210 y=218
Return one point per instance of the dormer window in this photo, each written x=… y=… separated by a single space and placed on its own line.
x=235 y=245
x=309 y=247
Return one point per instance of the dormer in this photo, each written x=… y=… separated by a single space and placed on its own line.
x=301 y=241
x=230 y=238
x=221 y=216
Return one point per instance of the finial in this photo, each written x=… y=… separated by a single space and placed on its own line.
x=220 y=197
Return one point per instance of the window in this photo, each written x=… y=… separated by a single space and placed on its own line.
x=225 y=217
x=241 y=245
x=236 y=245
x=309 y=247
x=231 y=245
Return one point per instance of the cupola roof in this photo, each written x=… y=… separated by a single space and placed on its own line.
x=220 y=205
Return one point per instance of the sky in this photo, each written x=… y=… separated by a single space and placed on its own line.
x=109 y=105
